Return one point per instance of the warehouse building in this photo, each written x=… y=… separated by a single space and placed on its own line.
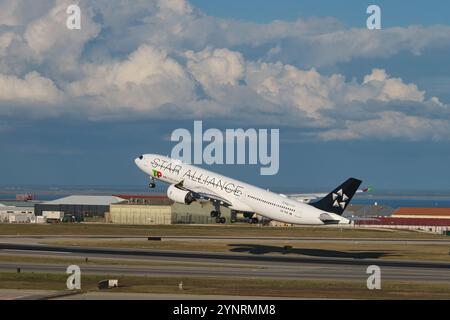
x=159 y=209
x=140 y=210
x=426 y=219
x=433 y=215
x=16 y=214
x=196 y=213
x=160 y=200
x=368 y=211
x=80 y=207
x=139 y=214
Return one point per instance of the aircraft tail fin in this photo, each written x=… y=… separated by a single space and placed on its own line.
x=337 y=200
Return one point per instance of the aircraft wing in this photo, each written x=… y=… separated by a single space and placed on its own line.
x=308 y=197
x=202 y=194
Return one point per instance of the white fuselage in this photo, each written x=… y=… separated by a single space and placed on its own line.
x=243 y=197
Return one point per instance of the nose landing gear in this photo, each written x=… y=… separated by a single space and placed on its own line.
x=152 y=183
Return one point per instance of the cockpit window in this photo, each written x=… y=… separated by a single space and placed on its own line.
x=141 y=157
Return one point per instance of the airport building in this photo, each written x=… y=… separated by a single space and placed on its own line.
x=159 y=209
x=428 y=215
x=368 y=211
x=135 y=214
x=10 y=213
x=129 y=209
x=80 y=207
x=425 y=219
x=140 y=210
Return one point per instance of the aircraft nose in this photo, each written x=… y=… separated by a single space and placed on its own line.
x=138 y=159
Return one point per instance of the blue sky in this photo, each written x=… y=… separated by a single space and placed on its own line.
x=76 y=107
x=395 y=12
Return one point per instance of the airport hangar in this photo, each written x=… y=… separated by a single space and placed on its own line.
x=130 y=209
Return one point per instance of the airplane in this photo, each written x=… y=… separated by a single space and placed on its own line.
x=189 y=183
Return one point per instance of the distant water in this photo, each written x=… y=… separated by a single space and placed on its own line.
x=45 y=197
x=396 y=202
x=391 y=200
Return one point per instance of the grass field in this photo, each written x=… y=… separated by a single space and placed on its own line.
x=252 y=287
x=207 y=230
x=20 y=259
x=431 y=252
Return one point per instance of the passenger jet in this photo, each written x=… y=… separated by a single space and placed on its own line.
x=189 y=183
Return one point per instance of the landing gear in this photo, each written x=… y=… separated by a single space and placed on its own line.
x=220 y=220
x=233 y=216
x=252 y=220
x=152 y=183
x=217 y=214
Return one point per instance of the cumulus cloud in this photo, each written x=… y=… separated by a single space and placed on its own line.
x=373 y=108
x=18 y=13
x=50 y=40
x=32 y=88
x=392 y=124
x=342 y=45
x=146 y=80
x=164 y=57
x=216 y=67
x=386 y=88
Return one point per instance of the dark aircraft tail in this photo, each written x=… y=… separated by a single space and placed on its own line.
x=339 y=198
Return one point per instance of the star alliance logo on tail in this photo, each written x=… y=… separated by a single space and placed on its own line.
x=340 y=202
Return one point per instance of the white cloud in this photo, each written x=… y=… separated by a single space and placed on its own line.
x=164 y=57
x=32 y=88
x=391 y=124
x=18 y=12
x=179 y=7
x=146 y=80
x=216 y=67
x=50 y=39
x=385 y=88
x=335 y=46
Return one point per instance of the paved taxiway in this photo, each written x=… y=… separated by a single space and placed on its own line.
x=33 y=239
x=303 y=272
x=260 y=266
x=163 y=296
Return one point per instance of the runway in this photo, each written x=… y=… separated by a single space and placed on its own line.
x=260 y=266
x=28 y=238
x=14 y=294
x=303 y=272
x=221 y=257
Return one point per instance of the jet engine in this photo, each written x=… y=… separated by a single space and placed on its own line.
x=179 y=195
